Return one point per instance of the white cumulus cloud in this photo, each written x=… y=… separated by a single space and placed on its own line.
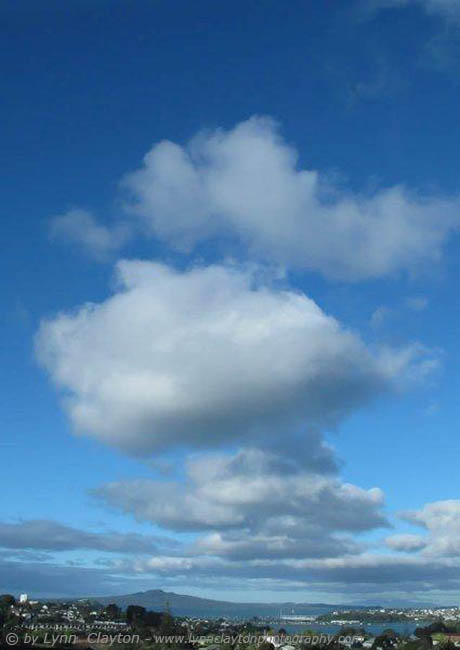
x=244 y=186
x=205 y=356
x=441 y=520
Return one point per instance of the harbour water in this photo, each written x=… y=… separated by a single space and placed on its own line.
x=404 y=628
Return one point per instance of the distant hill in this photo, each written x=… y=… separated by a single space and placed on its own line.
x=181 y=605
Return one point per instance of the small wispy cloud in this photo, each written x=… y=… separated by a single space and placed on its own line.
x=449 y=9
x=81 y=228
x=416 y=303
x=432 y=409
x=380 y=315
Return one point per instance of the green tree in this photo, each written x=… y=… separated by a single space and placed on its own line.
x=266 y=645
x=113 y=612
x=135 y=614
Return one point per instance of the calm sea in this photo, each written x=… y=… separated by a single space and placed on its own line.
x=405 y=628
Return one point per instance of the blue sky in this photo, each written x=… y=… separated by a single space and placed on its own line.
x=230 y=319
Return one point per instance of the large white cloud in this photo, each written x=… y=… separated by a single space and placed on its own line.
x=244 y=185
x=207 y=356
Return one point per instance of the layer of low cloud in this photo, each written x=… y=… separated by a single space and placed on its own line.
x=406 y=542
x=48 y=579
x=46 y=535
x=243 y=186
x=208 y=356
x=81 y=228
x=368 y=571
x=279 y=553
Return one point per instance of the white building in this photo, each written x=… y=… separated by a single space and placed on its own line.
x=23 y=598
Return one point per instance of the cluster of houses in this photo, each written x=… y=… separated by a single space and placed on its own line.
x=84 y=617
x=35 y=615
